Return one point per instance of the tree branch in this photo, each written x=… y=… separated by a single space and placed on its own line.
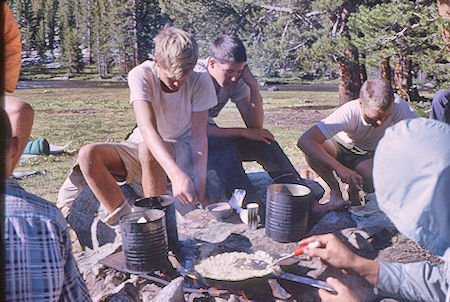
x=304 y=18
x=400 y=33
x=299 y=45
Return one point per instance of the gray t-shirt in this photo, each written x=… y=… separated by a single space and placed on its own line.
x=236 y=92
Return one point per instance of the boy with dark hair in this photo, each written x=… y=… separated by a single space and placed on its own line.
x=229 y=147
x=344 y=142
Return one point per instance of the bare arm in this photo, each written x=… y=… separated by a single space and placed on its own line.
x=252 y=114
x=199 y=151
x=311 y=143
x=334 y=252
x=182 y=186
x=256 y=134
x=251 y=109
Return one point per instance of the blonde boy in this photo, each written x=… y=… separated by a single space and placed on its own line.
x=344 y=142
x=171 y=104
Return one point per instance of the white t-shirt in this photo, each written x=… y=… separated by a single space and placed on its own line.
x=349 y=125
x=173 y=110
x=237 y=92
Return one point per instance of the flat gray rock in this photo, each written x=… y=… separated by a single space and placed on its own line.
x=172 y=292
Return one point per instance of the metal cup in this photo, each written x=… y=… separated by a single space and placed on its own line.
x=253 y=218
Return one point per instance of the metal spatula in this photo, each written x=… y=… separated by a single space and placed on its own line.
x=298 y=251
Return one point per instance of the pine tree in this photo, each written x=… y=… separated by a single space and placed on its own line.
x=149 y=20
x=101 y=31
x=51 y=22
x=70 y=42
x=403 y=30
x=39 y=32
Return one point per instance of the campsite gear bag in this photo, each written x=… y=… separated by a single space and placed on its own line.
x=165 y=203
x=37 y=147
x=144 y=240
x=287 y=212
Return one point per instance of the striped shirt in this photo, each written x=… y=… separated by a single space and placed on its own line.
x=39 y=262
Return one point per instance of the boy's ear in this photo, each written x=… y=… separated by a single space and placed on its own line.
x=156 y=61
x=211 y=62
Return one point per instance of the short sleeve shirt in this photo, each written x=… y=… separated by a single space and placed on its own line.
x=237 y=92
x=348 y=124
x=173 y=110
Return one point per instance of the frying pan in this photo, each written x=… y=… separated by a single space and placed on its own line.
x=252 y=282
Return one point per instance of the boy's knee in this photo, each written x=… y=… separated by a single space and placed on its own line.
x=442 y=97
x=18 y=106
x=88 y=156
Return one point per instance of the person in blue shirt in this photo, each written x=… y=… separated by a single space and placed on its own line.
x=39 y=264
x=411 y=179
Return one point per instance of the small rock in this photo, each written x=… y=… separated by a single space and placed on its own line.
x=273 y=88
x=233 y=298
x=149 y=291
x=172 y=292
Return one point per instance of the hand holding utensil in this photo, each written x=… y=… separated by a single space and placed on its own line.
x=298 y=251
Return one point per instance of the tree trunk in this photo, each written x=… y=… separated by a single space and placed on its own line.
x=135 y=36
x=402 y=76
x=349 y=77
x=444 y=11
x=362 y=68
x=386 y=70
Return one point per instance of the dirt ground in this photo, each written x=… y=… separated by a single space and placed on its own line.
x=300 y=118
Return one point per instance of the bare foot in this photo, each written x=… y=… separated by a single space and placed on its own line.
x=336 y=203
x=353 y=196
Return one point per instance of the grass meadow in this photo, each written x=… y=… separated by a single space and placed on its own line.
x=85 y=116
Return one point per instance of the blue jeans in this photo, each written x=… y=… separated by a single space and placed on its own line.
x=225 y=156
x=440 y=106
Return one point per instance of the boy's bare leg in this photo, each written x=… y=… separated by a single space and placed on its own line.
x=99 y=162
x=154 y=179
x=21 y=116
x=336 y=201
x=364 y=169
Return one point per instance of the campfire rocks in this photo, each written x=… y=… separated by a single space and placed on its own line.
x=172 y=292
x=202 y=236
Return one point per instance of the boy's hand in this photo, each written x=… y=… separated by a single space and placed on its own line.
x=183 y=189
x=248 y=77
x=336 y=253
x=332 y=250
x=350 y=176
x=257 y=134
x=344 y=293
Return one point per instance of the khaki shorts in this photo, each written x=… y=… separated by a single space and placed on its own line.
x=350 y=156
x=128 y=151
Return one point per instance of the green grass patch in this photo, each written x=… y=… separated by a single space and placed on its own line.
x=104 y=115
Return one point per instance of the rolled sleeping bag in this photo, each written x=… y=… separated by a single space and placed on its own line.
x=37 y=147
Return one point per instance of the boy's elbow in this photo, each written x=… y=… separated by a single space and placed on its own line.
x=302 y=141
